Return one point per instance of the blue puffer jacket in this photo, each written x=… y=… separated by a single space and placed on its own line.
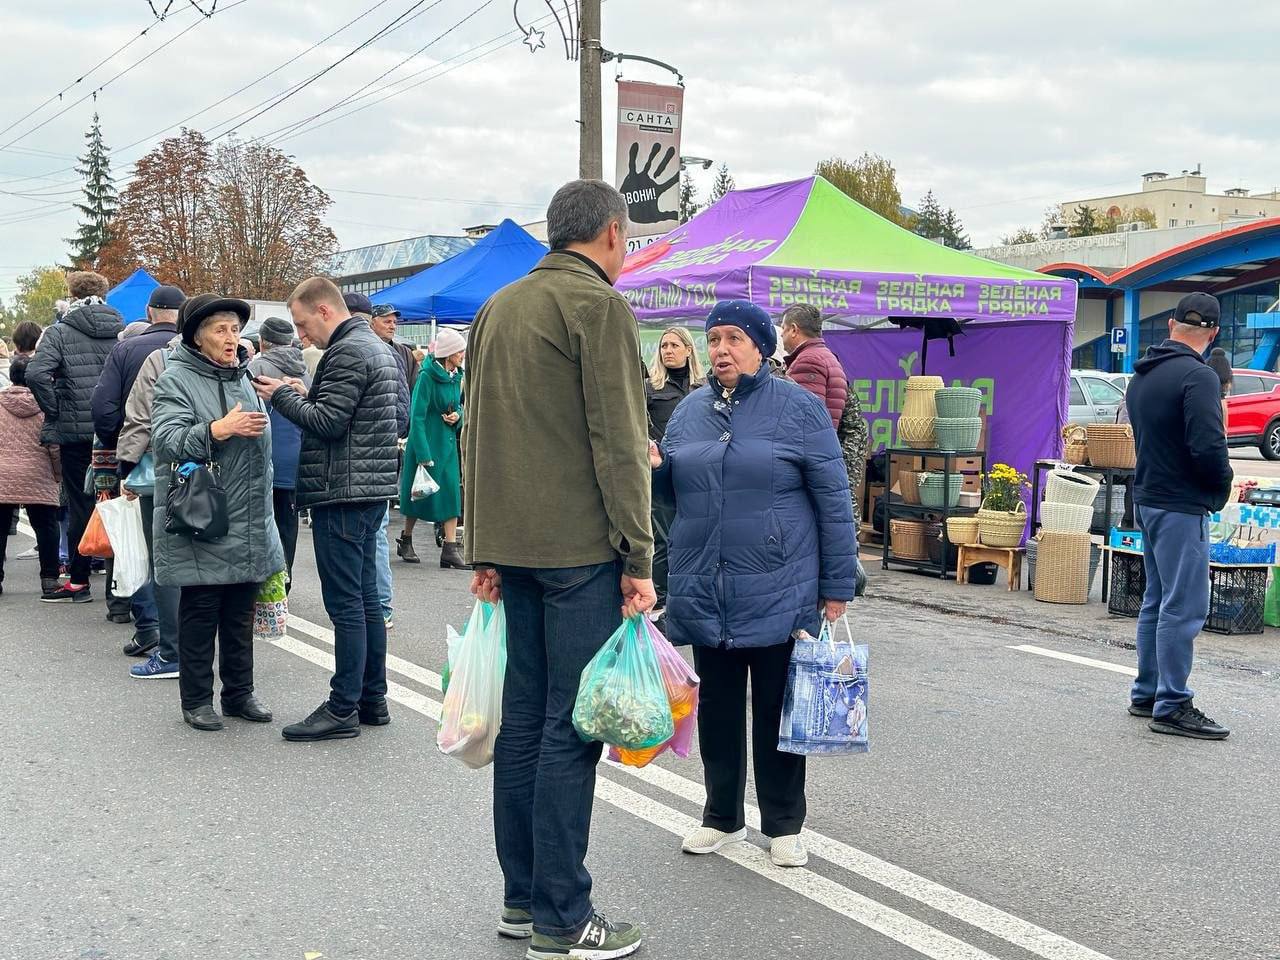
x=764 y=520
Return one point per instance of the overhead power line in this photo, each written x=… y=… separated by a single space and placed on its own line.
x=473 y=203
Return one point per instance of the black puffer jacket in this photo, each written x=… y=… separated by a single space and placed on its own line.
x=348 y=421
x=66 y=367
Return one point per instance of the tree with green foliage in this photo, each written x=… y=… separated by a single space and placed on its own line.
x=953 y=234
x=1021 y=235
x=99 y=206
x=1087 y=222
x=688 y=198
x=38 y=291
x=929 y=219
x=724 y=183
x=871 y=180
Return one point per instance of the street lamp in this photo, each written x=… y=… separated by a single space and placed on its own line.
x=687 y=162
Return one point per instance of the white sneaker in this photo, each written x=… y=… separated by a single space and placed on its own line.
x=709 y=840
x=788 y=852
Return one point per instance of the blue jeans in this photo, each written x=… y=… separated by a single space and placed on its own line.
x=346 y=542
x=1175 y=556
x=146 y=619
x=384 y=565
x=166 y=598
x=544 y=776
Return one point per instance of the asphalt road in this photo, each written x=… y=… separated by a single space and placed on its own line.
x=1251 y=463
x=1009 y=809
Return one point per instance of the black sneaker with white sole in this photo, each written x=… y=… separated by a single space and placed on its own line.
x=600 y=939
x=1189 y=721
x=65 y=594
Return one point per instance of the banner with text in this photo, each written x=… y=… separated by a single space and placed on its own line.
x=648 y=171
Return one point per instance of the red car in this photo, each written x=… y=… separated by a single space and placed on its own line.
x=1253 y=412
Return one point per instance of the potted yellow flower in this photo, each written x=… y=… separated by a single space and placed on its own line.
x=1003 y=516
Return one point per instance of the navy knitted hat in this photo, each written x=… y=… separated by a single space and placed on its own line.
x=751 y=319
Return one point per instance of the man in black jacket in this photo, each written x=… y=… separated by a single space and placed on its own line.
x=1183 y=475
x=346 y=475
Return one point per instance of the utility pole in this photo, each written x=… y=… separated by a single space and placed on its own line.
x=591 y=138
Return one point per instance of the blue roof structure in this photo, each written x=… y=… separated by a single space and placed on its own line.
x=455 y=290
x=130 y=296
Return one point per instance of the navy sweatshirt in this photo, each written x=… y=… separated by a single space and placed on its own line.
x=1175 y=406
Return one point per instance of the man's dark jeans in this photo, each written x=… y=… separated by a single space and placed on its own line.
x=544 y=776
x=346 y=542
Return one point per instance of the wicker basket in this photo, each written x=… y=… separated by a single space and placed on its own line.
x=1067 y=486
x=958 y=402
x=907 y=538
x=937 y=494
x=919 y=400
x=962 y=530
x=958 y=434
x=909 y=485
x=1076 y=453
x=916 y=431
x=1062 y=568
x=1111 y=445
x=1002 y=528
x=1066 y=517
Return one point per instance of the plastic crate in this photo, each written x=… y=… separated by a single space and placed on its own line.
x=1128 y=584
x=1237 y=597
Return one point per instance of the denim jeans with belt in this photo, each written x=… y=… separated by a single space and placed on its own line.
x=346 y=543
x=544 y=775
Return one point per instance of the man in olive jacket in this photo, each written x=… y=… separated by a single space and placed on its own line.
x=347 y=471
x=557 y=483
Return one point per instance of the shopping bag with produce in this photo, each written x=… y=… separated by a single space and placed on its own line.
x=621 y=698
x=472 y=711
x=681 y=684
x=94 y=542
x=122 y=521
x=824 y=710
x=424 y=485
x=271 y=609
x=453 y=643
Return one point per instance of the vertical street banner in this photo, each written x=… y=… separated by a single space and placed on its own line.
x=648 y=172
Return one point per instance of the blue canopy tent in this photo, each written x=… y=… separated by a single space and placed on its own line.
x=130 y=296
x=455 y=290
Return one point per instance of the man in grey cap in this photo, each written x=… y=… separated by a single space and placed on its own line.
x=1183 y=474
x=384 y=319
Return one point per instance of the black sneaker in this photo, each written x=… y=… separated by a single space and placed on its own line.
x=65 y=594
x=119 y=618
x=515 y=924
x=142 y=644
x=600 y=939
x=324 y=724
x=374 y=713
x=1137 y=709
x=1189 y=721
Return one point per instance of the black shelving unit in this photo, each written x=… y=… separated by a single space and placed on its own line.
x=901 y=510
x=1109 y=476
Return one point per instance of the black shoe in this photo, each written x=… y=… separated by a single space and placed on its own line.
x=374 y=713
x=405 y=551
x=203 y=717
x=1188 y=721
x=250 y=708
x=324 y=724
x=119 y=618
x=142 y=644
x=64 y=594
x=1140 y=709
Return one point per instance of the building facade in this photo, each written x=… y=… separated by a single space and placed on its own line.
x=1179 y=201
x=370 y=269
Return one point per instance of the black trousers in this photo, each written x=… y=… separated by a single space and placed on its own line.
x=44 y=521
x=224 y=611
x=285 y=505
x=722 y=739
x=664 y=515
x=75 y=464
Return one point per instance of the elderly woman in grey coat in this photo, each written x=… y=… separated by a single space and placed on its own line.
x=206 y=411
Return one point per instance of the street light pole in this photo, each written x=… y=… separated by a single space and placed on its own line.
x=591 y=136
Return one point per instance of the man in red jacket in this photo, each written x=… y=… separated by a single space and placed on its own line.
x=810 y=361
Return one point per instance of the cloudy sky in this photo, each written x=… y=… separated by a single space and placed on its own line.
x=999 y=108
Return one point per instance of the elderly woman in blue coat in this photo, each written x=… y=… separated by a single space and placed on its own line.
x=763 y=546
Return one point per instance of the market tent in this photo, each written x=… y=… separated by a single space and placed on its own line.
x=130 y=296
x=807 y=242
x=453 y=291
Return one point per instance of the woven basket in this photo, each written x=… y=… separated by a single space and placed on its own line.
x=1075 y=433
x=1076 y=453
x=958 y=403
x=958 y=434
x=909 y=484
x=1002 y=528
x=916 y=431
x=1062 y=568
x=934 y=493
x=962 y=530
x=1066 y=517
x=907 y=538
x=1067 y=486
x=1111 y=445
x=919 y=400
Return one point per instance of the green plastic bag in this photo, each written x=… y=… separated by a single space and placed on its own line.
x=271 y=611
x=1271 y=611
x=622 y=700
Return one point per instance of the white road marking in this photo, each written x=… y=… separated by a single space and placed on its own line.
x=1021 y=933
x=1072 y=658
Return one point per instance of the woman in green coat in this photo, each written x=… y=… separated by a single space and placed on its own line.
x=435 y=422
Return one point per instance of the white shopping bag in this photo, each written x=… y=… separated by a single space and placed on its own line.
x=122 y=519
x=472 y=709
x=423 y=484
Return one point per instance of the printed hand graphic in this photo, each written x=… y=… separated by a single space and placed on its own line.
x=642 y=189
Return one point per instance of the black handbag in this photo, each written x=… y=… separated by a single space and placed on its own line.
x=196 y=504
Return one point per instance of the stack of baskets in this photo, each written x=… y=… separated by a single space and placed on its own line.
x=1111 y=445
x=958 y=426
x=908 y=539
x=1075 y=444
x=940 y=491
x=1068 y=502
x=1061 y=572
x=919 y=411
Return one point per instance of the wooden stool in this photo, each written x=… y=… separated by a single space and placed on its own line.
x=1008 y=559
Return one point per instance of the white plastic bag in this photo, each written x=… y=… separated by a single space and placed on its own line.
x=472 y=710
x=122 y=519
x=423 y=484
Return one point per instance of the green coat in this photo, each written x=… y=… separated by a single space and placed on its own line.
x=434 y=442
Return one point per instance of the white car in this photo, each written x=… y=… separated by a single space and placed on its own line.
x=1094 y=397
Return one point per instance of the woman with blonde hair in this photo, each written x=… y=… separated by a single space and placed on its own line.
x=675 y=371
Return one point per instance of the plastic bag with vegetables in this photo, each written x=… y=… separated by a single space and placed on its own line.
x=472 y=710
x=682 y=696
x=271 y=608
x=622 y=700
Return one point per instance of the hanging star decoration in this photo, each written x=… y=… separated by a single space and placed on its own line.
x=535 y=39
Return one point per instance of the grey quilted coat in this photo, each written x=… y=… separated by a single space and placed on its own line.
x=348 y=421
x=66 y=368
x=191 y=393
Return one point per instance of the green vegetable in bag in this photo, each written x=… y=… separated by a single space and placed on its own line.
x=622 y=699
x=272 y=589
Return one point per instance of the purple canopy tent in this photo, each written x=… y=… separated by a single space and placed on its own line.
x=806 y=242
